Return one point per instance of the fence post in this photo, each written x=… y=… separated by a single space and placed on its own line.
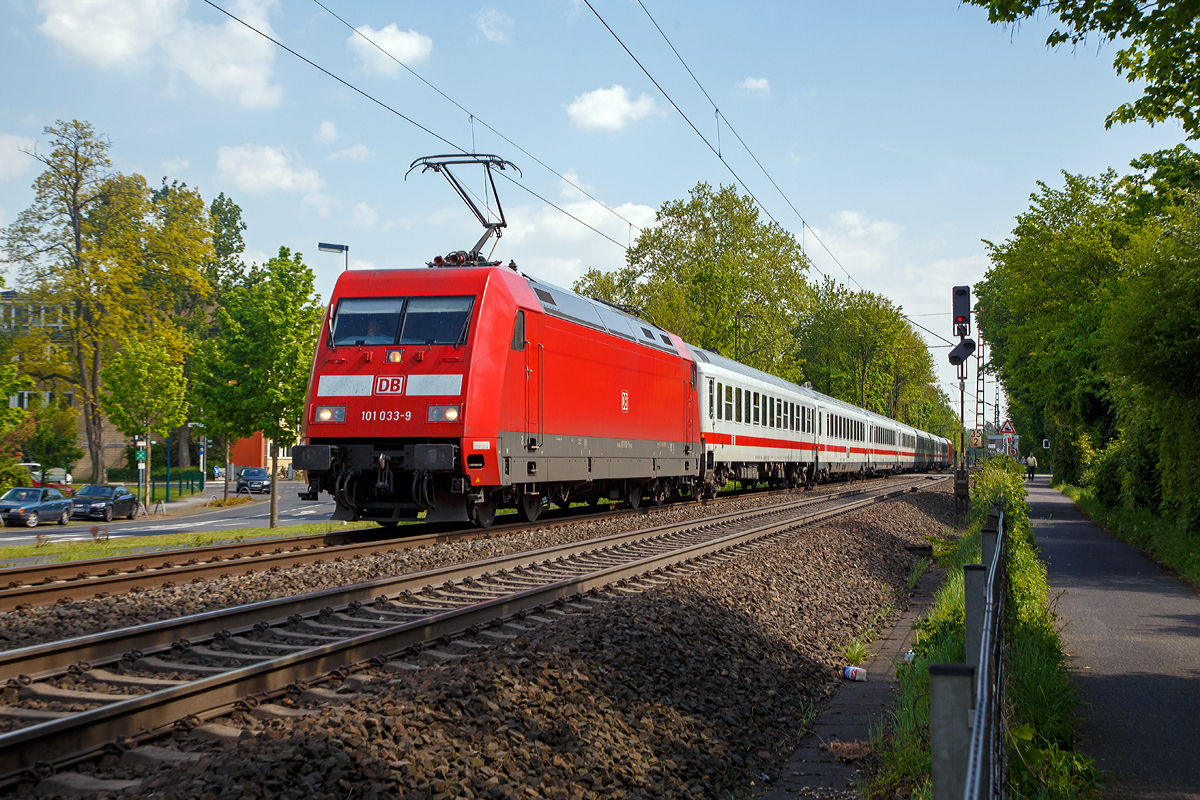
x=974 y=596
x=949 y=728
x=990 y=530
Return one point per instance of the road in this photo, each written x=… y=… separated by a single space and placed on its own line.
x=1133 y=635
x=292 y=511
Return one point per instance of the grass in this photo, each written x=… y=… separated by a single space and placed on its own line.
x=914 y=575
x=101 y=547
x=1041 y=698
x=1160 y=538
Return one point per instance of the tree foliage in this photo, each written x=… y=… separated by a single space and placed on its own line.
x=50 y=438
x=1161 y=48
x=255 y=373
x=705 y=259
x=107 y=259
x=1092 y=308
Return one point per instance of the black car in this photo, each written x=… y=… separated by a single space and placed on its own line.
x=29 y=506
x=104 y=502
x=256 y=479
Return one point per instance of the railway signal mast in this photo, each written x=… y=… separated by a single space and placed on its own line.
x=958 y=357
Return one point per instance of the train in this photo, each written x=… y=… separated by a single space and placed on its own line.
x=466 y=387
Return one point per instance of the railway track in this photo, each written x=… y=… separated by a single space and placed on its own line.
x=46 y=584
x=76 y=697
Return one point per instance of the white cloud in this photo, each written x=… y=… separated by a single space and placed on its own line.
x=365 y=215
x=259 y=169
x=359 y=264
x=175 y=165
x=609 y=109
x=14 y=163
x=567 y=191
x=328 y=132
x=408 y=47
x=864 y=247
x=357 y=153
x=493 y=25
x=110 y=32
x=756 y=85
x=228 y=60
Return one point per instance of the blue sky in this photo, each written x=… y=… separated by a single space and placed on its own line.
x=903 y=132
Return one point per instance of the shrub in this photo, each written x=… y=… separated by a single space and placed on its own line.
x=1104 y=475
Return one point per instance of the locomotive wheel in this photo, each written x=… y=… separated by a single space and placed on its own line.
x=529 y=506
x=660 y=493
x=484 y=514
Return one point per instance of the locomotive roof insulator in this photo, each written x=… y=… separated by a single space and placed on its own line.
x=441 y=164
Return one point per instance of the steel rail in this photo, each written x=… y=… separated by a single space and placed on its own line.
x=41 y=585
x=89 y=731
x=39 y=661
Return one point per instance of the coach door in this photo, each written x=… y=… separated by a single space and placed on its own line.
x=691 y=399
x=534 y=406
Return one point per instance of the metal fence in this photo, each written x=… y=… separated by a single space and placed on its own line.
x=966 y=701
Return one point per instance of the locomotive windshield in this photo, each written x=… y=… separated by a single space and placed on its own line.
x=436 y=320
x=392 y=320
x=362 y=320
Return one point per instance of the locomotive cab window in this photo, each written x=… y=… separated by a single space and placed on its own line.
x=518 y=340
x=436 y=320
x=366 y=320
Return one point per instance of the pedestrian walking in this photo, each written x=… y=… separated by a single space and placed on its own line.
x=1030 y=467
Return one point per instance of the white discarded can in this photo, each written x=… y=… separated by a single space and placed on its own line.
x=854 y=673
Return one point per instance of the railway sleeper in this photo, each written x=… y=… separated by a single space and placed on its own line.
x=200 y=651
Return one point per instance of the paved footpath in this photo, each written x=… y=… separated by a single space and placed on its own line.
x=1133 y=634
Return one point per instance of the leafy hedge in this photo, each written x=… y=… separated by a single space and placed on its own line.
x=1043 y=763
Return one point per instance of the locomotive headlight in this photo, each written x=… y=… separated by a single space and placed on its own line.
x=329 y=414
x=393 y=356
x=443 y=414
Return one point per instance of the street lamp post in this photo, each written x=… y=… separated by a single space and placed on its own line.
x=325 y=247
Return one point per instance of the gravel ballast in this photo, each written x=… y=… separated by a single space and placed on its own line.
x=696 y=688
x=33 y=626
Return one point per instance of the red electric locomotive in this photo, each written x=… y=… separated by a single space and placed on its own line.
x=455 y=390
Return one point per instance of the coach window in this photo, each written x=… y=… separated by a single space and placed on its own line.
x=756 y=411
x=518 y=340
x=710 y=398
x=720 y=397
x=728 y=403
x=738 y=406
x=746 y=397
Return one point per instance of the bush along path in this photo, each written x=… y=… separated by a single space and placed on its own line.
x=1041 y=735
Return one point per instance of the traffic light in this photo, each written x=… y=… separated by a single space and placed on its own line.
x=962 y=311
x=962 y=351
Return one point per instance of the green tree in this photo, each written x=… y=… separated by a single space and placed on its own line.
x=146 y=391
x=706 y=259
x=1161 y=48
x=254 y=376
x=51 y=439
x=102 y=258
x=15 y=426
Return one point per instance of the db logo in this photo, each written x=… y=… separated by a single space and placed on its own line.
x=389 y=384
x=625 y=402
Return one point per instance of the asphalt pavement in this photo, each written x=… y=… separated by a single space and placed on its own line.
x=188 y=516
x=1133 y=635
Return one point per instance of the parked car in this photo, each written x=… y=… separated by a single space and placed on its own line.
x=29 y=506
x=104 y=502
x=256 y=479
x=58 y=475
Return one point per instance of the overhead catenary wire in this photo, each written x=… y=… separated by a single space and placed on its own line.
x=720 y=115
x=403 y=116
x=474 y=118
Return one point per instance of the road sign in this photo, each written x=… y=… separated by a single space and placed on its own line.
x=1007 y=427
x=141 y=442
x=1045 y=444
x=141 y=466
